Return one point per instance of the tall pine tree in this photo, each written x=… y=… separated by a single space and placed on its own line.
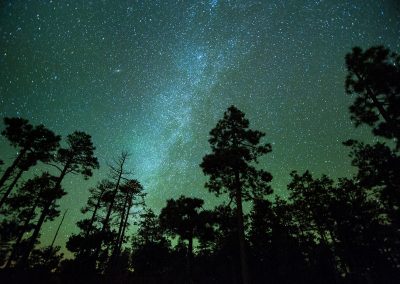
x=231 y=168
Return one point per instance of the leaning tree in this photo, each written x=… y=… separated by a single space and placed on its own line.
x=33 y=144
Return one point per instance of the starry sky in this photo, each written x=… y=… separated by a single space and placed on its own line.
x=154 y=77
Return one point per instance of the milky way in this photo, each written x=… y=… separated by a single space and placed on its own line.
x=154 y=77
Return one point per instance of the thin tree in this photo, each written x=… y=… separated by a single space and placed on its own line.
x=94 y=204
x=58 y=229
x=118 y=174
x=130 y=195
x=230 y=166
x=133 y=196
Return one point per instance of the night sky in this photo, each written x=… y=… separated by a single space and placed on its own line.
x=154 y=77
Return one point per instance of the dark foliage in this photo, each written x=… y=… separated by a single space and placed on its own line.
x=374 y=77
x=34 y=144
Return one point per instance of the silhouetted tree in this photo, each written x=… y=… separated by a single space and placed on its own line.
x=33 y=143
x=149 y=230
x=151 y=255
x=17 y=130
x=311 y=198
x=235 y=148
x=89 y=238
x=183 y=217
x=84 y=244
x=361 y=231
x=118 y=174
x=223 y=260
x=374 y=76
x=58 y=230
x=46 y=204
x=23 y=205
x=78 y=157
x=131 y=194
x=379 y=171
x=276 y=244
x=99 y=244
x=95 y=202
x=378 y=176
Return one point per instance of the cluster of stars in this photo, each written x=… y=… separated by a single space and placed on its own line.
x=153 y=78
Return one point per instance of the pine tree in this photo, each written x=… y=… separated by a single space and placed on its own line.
x=235 y=150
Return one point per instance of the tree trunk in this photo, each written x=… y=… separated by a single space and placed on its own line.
x=24 y=260
x=190 y=259
x=96 y=207
x=381 y=109
x=8 y=172
x=58 y=229
x=10 y=187
x=110 y=207
x=120 y=235
x=372 y=96
x=116 y=250
x=231 y=267
x=240 y=224
x=108 y=215
x=379 y=106
x=331 y=258
x=90 y=227
x=128 y=209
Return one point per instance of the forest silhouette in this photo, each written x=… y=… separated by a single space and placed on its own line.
x=324 y=231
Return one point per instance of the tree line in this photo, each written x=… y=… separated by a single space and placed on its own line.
x=325 y=231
